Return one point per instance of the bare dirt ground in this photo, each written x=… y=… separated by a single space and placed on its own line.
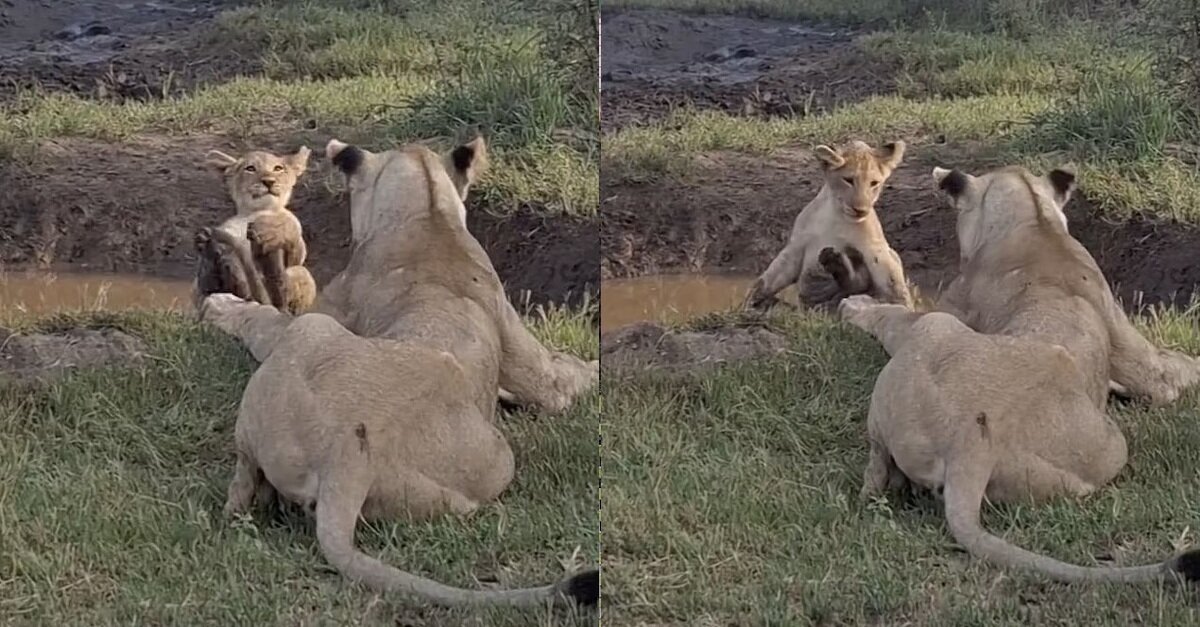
x=734 y=212
x=135 y=206
x=115 y=49
x=655 y=61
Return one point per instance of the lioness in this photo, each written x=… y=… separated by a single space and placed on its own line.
x=1008 y=403
x=264 y=229
x=837 y=241
x=381 y=402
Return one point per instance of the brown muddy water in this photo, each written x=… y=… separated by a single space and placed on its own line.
x=672 y=298
x=45 y=292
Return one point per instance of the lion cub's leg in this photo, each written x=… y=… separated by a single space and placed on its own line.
x=301 y=290
x=278 y=246
x=784 y=270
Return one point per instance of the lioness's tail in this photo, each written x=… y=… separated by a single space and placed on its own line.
x=964 y=491
x=340 y=498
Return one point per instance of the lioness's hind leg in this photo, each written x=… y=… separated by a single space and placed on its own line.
x=247 y=482
x=1145 y=370
x=533 y=375
x=847 y=268
x=882 y=474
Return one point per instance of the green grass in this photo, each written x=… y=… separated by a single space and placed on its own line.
x=394 y=71
x=731 y=497
x=112 y=482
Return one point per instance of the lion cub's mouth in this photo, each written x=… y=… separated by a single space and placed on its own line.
x=266 y=190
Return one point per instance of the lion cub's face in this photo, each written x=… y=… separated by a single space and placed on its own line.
x=856 y=173
x=260 y=180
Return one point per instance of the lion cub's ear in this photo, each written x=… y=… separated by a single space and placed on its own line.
x=891 y=154
x=830 y=158
x=297 y=162
x=218 y=160
x=467 y=163
x=1062 y=181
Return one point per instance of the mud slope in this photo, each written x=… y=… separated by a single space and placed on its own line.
x=739 y=217
x=653 y=61
x=136 y=206
x=115 y=49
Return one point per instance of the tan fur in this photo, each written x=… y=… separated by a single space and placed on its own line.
x=381 y=403
x=1007 y=400
x=261 y=184
x=840 y=219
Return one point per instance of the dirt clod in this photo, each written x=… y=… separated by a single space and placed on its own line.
x=43 y=357
x=648 y=345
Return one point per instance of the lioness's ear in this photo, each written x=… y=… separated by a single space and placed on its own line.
x=344 y=157
x=218 y=160
x=467 y=163
x=891 y=154
x=953 y=182
x=1062 y=179
x=298 y=161
x=830 y=158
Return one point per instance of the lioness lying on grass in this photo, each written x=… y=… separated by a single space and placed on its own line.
x=1006 y=398
x=381 y=403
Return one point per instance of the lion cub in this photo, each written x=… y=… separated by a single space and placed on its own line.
x=837 y=247
x=264 y=230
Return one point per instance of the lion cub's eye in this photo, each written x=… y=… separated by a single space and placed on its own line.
x=849 y=180
x=251 y=168
x=874 y=183
x=278 y=168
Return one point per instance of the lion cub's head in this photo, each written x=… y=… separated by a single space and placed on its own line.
x=259 y=180
x=410 y=181
x=855 y=174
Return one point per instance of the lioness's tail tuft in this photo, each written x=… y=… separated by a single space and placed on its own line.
x=1187 y=565
x=582 y=588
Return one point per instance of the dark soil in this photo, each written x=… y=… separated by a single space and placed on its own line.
x=116 y=49
x=737 y=212
x=654 y=61
x=135 y=207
